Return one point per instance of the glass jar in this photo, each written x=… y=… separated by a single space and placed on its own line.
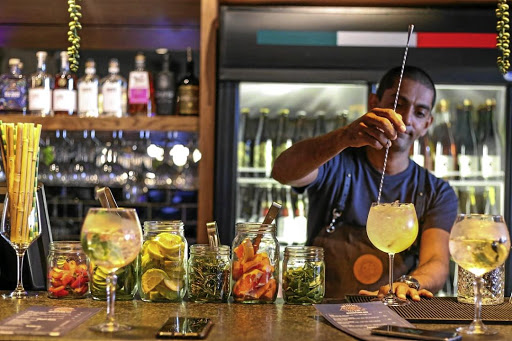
x=303 y=274
x=209 y=273
x=162 y=262
x=255 y=263
x=67 y=270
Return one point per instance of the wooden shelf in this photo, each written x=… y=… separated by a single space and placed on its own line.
x=156 y=123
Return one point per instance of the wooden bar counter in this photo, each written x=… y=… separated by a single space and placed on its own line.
x=231 y=321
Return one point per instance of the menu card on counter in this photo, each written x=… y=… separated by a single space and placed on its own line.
x=48 y=321
x=357 y=319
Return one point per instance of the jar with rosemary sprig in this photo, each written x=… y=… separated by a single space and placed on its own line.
x=209 y=273
x=303 y=275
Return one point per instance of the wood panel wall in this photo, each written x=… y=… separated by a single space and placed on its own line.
x=107 y=24
x=383 y=3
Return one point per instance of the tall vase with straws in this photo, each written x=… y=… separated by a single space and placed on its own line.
x=20 y=224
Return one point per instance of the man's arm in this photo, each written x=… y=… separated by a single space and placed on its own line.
x=298 y=165
x=433 y=267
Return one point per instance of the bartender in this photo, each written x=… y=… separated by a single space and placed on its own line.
x=341 y=172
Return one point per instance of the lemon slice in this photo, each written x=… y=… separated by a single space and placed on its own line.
x=145 y=260
x=174 y=285
x=151 y=278
x=168 y=242
x=154 y=251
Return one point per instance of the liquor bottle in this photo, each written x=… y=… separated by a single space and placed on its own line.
x=341 y=119
x=319 y=127
x=465 y=139
x=88 y=91
x=467 y=157
x=262 y=153
x=40 y=88
x=140 y=89
x=164 y=86
x=421 y=152
x=300 y=220
x=258 y=195
x=445 y=148
x=490 y=146
x=300 y=132
x=491 y=205
x=283 y=138
x=187 y=100
x=113 y=93
x=13 y=90
x=244 y=141
x=64 y=93
x=286 y=217
x=266 y=201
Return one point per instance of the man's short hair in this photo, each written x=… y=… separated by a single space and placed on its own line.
x=410 y=72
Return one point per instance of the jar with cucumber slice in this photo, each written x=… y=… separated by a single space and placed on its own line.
x=126 y=286
x=162 y=262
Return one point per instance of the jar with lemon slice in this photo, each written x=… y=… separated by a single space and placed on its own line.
x=162 y=262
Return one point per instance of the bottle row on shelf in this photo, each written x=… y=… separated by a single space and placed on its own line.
x=465 y=145
x=44 y=94
x=263 y=137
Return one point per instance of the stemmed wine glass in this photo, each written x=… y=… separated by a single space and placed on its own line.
x=20 y=234
x=112 y=238
x=392 y=228
x=479 y=243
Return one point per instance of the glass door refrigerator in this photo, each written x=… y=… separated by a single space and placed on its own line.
x=287 y=73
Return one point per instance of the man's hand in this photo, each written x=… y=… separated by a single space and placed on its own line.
x=401 y=290
x=376 y=128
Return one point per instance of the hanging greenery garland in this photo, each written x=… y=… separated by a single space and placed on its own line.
x=503 y=39
x=73 y=37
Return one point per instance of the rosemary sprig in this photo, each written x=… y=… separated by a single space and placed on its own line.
x=209 y=279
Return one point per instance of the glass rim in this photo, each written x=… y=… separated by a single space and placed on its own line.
x=208 y=247
x=254 y=227
x=112 y=209
x=392 y=203
x=479 y=215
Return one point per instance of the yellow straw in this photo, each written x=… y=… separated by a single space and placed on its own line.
x=27 y=179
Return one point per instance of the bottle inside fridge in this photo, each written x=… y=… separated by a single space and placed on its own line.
x=273 y=116
x=470 y=119
x=468 y=137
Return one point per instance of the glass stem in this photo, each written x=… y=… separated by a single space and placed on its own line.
x=391 y=260
x=111 y=298
x=478 y=300
x=19 y=276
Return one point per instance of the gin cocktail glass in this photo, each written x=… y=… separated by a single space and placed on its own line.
x=112 y=238
x=479 y=243
x=392 y=228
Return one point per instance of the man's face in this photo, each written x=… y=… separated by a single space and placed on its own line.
x=414 y=104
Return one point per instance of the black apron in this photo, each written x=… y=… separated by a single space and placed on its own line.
x=352 y=262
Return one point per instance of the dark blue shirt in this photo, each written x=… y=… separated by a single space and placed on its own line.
x=352 y=165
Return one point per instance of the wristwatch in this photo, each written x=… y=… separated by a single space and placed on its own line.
x=410 y=281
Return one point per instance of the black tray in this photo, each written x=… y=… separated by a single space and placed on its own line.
x=446 y=310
